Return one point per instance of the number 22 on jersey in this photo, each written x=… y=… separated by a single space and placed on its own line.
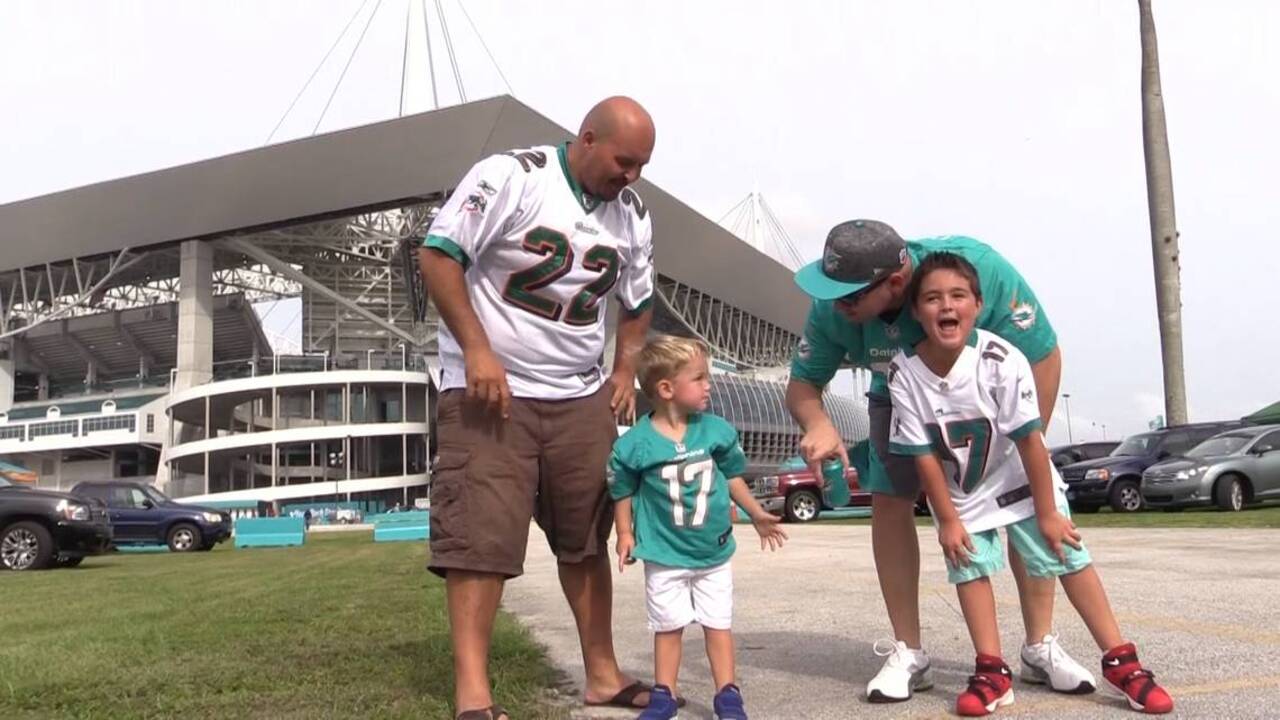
x=678 y=475
x=523 y=286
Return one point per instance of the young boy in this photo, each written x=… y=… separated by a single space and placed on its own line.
x=964 y=404
x=674 y=472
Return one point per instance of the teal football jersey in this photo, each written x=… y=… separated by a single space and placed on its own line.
x=680 y=491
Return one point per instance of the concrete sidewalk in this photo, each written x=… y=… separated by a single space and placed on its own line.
x=1201 y=604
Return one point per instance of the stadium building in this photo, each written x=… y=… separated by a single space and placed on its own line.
x=130 y=346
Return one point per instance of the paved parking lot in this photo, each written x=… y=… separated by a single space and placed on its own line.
x=1202 y=604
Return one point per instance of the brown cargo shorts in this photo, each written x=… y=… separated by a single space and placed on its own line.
x=546 y=462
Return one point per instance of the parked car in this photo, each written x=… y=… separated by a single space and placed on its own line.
x=1116 y=479
x=1229 y=470
x=39 y=528
x=1064 y=455
x=142 y=515
x=793 y=492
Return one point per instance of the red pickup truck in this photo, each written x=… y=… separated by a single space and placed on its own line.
x=793 y=491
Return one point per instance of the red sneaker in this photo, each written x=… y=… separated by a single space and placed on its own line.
x=990 y=687
x=1126 y=676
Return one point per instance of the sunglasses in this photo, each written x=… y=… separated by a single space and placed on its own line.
x=856 y=296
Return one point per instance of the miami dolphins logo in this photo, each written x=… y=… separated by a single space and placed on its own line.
x=1023 y=314
x=804 y=350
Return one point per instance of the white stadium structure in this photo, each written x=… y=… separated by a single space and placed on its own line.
x=130 y=347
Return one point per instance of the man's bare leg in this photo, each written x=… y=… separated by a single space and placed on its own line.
x=473 y=599
x=588 y=586
x=897 y=553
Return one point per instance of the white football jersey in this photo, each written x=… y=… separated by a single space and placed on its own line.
x=541 y=257
x=971 y=420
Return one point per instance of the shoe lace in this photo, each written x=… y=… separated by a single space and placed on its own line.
x=1057 y=655
x=892 y=649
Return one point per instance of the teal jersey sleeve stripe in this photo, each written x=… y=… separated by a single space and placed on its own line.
x=644 y=305
x=914 y=450
x=448 y=247
x=1030 y=427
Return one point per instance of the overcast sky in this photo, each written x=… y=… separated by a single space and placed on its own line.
x=1017 y=123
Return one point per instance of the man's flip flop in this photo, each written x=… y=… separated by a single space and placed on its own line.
x=493 y=712
x=626 y=697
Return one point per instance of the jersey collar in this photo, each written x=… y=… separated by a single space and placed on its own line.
x=910 y=350
x=588 y=201
x=682 y=445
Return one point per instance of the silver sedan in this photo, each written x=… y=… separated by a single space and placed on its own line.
x=1229 y=470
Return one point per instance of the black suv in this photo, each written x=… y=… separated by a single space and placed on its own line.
x=41 y=527
x=142 y=515
x=1115 y=479
x=1065 y=455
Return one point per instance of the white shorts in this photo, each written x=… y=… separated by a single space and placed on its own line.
x=677 y=597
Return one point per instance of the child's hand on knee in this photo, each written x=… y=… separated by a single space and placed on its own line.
x=1059 y=530
x=955 y=541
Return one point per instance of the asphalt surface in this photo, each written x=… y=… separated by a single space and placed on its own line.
x=1202 y=604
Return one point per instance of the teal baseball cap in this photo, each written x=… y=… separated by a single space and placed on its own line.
x=855 y=254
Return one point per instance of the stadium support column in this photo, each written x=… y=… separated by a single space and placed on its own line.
x=195 y=315
x=195 y=340
x=6 y=376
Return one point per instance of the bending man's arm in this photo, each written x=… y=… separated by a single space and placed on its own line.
x=446 y=286
x=821 y=438
x=1048 y=378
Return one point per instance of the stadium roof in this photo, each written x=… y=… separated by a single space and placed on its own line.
x=378 y=166
x=115 y=340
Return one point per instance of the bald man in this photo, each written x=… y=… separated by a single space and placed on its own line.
x=521 y=262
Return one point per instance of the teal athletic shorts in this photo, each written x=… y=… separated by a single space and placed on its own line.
x=987 y=558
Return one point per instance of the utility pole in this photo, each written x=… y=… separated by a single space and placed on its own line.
x=1066 y=397
x=1164 y=231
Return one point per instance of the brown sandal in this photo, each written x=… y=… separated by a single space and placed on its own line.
x=627 y=696
x=493 y=712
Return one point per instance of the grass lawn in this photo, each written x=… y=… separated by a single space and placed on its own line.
x=339 y=628
x=1257 y=516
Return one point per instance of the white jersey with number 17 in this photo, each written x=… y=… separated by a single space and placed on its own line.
x=971 y=419
x=541 y=257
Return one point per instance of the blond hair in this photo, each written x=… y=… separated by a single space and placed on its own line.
x=663 y=357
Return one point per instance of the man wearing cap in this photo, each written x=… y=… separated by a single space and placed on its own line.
x=859 y=316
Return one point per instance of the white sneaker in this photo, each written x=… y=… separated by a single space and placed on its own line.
x=1046 y=663
x=904 y=672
